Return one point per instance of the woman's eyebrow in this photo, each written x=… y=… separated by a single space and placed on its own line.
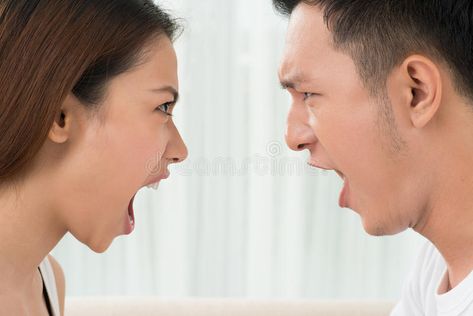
x=169 y=89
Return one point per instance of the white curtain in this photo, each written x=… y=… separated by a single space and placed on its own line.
x=243 y=216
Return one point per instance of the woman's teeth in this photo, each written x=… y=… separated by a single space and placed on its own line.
x=132 y=221
x=153 y=186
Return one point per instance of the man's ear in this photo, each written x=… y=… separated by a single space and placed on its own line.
x=423 y=85
x=61 y=128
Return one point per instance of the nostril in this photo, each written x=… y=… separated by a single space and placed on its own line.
x=301 y=146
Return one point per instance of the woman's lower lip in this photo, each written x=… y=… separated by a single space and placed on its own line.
x=343 y=199
x=130 y=222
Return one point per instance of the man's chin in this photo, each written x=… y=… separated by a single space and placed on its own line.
x=378 y=228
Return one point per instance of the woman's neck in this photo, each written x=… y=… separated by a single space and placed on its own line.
x=29 y=230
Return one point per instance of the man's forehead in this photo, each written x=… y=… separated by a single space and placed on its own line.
x=308 y=45
x=308 y=18
x=300 y=65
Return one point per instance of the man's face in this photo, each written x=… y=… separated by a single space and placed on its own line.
x=345 y=129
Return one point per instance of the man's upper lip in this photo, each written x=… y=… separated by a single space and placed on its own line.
x=315 y=165
x=157 y=178
x=341 y=175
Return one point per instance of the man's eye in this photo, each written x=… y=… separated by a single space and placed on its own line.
x=166 y=108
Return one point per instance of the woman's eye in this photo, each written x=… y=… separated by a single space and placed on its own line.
x=166 y=108
x=307 y=95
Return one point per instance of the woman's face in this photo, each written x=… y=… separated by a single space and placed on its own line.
x=129 y=144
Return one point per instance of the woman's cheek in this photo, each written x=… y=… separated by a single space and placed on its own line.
x=154 y=162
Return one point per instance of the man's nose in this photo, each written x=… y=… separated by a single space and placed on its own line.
x=299 y=133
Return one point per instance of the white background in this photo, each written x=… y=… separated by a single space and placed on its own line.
x=243 y=216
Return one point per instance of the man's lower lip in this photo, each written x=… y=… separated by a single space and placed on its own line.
x=343 y=199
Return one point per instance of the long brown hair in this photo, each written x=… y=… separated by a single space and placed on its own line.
x=50 y=48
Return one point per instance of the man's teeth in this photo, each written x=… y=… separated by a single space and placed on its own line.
x=153 y=186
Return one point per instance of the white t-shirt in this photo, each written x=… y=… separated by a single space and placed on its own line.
x=420 y=294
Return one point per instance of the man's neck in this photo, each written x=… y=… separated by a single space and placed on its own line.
x=448 y=223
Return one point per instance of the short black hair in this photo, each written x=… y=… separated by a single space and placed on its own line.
x=380 y=34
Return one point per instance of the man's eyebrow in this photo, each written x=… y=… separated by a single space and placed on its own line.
x=285 y=84
x=292 y=81
x=169 y=89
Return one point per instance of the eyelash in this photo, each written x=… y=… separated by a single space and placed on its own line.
x=169 y=105
x=307 y=95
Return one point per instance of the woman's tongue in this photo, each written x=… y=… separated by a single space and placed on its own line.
x=131 y=212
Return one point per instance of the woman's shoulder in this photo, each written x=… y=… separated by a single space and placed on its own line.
x=60 y=281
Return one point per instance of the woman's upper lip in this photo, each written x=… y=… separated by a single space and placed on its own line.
x=160 y=177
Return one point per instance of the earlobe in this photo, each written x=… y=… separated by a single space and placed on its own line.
x=425 y=84
x=59 y=132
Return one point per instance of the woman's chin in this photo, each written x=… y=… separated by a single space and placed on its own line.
x=100 y=246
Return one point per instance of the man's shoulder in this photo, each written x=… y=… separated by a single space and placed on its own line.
x=428 y=252
x=428 y=269
x=429 y=259
x=420 y=287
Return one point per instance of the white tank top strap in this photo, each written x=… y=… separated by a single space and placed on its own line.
x=49 y=280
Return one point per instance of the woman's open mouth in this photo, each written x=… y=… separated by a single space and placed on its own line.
x=130 y=222
x=130 y=219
